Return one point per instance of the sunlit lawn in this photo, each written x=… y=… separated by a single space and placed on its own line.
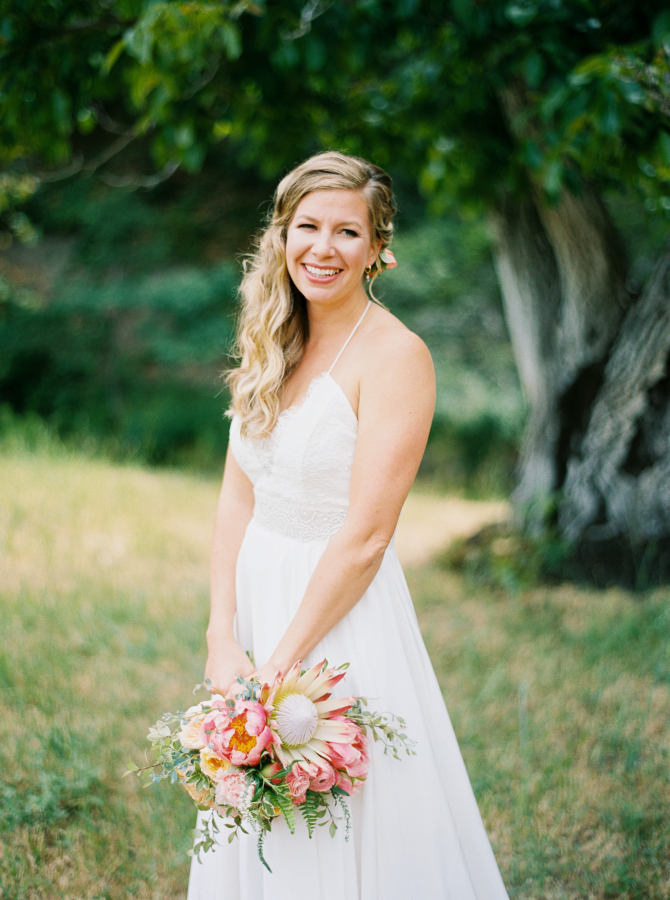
x=560 y=696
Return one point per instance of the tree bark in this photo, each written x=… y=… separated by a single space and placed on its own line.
x=619 y=481
x=593 y=364
x=528 y=277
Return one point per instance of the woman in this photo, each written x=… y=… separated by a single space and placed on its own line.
x=332 y=405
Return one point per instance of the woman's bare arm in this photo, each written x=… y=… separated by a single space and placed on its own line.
x=397 y=400
x=226 y=659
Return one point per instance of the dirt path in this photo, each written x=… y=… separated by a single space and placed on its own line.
x=429 y=522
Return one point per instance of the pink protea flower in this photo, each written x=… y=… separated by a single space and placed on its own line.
x=304 y=718
x=353 y=756
x=240 y=734
x=232 y=788
x=298 y=781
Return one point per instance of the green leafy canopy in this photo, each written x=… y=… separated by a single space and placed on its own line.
x=467 y=98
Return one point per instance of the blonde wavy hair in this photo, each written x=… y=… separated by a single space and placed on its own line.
x=272 y=328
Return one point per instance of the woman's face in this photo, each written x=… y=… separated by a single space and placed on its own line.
x=328 y=246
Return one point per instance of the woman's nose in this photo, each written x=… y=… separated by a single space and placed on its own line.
x=323 y=243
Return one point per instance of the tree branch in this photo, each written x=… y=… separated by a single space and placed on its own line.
x=140 y=181
x=114 y=148
x=77 y=29
x=73 y=168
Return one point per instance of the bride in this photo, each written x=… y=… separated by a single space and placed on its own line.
x=331 y=409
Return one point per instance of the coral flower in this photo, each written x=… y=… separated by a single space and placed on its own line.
x=304 y=718
x=354 y=756
x=239 y=734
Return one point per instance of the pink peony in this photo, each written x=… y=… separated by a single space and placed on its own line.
x=353 y=757
x=298 y=781
x=232 y=788
x=239 y=734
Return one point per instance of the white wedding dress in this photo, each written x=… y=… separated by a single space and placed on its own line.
x=416 y=830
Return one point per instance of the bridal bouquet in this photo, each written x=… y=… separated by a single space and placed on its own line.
x=272 y=750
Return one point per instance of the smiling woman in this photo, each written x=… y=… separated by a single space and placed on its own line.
x=274 y=326
x=332 y=405
x=328 y=243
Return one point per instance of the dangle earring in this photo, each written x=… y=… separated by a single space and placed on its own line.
x=368 y=271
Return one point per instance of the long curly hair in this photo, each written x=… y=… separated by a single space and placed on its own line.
x=272 y=328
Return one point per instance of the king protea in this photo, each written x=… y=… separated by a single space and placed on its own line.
x=302 y=715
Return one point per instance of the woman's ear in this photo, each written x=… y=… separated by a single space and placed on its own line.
x=374 y=252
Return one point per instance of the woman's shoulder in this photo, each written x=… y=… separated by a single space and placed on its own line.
x=393 y=348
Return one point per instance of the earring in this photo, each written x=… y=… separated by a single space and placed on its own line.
x=368 y=271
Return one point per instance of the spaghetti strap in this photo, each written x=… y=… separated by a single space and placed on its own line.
x=346 y=343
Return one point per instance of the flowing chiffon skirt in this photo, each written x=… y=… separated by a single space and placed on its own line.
x=416 y=831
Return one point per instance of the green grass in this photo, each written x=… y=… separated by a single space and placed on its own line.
x=560 y=697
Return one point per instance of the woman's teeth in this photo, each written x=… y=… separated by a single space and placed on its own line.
x=321 y=273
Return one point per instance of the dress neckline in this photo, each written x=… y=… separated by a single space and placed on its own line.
x=295 y=407
x=327 y=373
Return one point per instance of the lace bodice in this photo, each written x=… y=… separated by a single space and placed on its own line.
x=301 y=472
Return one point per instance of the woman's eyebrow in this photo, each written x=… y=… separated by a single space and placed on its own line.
x=353 y=223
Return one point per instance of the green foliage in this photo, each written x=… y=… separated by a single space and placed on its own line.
x=429 y=88
x=134 y=363
x=470 y=102
x=442 y=261
x=512 y=558
x=123 y=351
x=509 y=558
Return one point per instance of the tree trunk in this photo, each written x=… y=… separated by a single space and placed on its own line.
x=593 y=363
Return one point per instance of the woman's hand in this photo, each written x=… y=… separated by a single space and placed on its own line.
x=267 y=673
x=225 y=661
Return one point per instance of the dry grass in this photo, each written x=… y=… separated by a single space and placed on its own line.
x=429 y=522
x=561 y=700
x=560 y=697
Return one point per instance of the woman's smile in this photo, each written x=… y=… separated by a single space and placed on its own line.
x=328 y=245
x=320 y=273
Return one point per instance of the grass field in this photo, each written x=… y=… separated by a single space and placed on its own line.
x=560 y=696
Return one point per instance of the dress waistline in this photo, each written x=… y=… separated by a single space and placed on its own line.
x=302 y=523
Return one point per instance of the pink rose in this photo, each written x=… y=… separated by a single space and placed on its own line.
x=239 y=734
x=190 y=734
x=324 y=778
x=298 y=781
x=232 y=788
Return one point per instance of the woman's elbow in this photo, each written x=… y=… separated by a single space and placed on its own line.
x=372 y=546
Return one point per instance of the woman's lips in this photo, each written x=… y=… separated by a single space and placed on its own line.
x=313 y=273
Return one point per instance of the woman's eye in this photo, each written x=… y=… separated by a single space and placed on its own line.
x=349 y=232
x=306 y=225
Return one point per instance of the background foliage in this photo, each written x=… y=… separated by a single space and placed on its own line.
x=466 y=102
x=125 y=317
